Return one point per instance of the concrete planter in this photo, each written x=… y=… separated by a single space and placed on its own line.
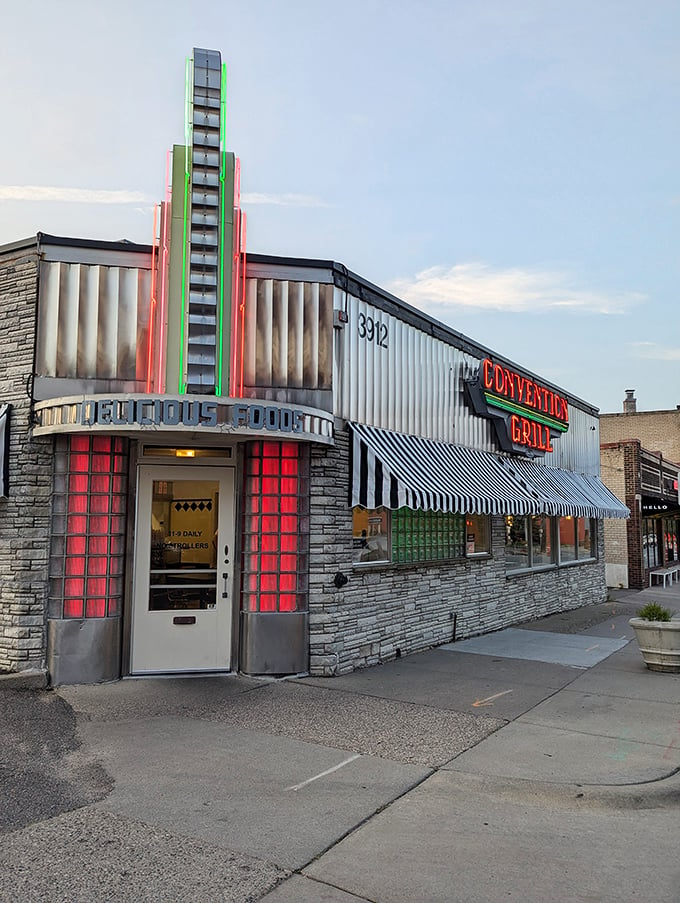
x=659 y=643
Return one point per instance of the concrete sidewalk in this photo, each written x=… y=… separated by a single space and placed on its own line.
x=539 y=762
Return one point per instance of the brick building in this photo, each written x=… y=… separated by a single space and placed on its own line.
x=656 y=430
x=639 y=452
x=266 y=464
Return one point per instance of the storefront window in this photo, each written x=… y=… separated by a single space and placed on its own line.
x=586 y=538
x=477 y=534
x=517 y=542
x=541 y=541
x=404 y=536
x=577 y=539
x=650 y=544
x=370 y=535
x=573 y=536
x=671 y=539
x=567 y=532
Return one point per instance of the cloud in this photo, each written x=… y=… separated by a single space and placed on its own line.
x=654 y=352
x=479 y=287
x=48 y=193
x=282 y=200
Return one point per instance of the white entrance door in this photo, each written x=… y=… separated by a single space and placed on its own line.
x=184 y=565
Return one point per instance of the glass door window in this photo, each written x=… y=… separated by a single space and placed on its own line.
x=671 y=539
x=650 y=543
x=184 y=527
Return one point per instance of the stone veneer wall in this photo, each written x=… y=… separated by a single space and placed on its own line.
x=25 y=515
x=386 y=611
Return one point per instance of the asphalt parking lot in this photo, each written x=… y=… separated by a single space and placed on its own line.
x=535 y=764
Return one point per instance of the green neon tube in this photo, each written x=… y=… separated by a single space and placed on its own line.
x=220 y=240
x=496 y=402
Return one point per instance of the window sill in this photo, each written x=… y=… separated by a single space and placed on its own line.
x=527 y=572
x=369 y=565
x=571 y=564
x=546 y=568
x=430 y=562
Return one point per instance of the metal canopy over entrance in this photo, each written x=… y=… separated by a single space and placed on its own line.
x=393 y=470
x=205 y=416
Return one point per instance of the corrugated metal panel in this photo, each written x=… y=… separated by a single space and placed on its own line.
x=250 y=332
x=88 y=323
x=93 y=321
x=396 y=377
x=579 y=448
x=295 y=334
x=288 y=334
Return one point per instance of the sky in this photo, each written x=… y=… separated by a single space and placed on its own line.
x=511 y=167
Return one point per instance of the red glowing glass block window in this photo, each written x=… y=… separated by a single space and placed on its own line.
x=88 y=527
x=275 y=527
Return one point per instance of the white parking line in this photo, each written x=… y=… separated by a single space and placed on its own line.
x=324 y=773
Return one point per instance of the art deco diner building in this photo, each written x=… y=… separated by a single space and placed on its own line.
x=214 y=461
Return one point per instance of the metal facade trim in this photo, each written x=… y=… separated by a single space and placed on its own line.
x=92 y=322
x=392 y=375
x=288 y=341
x=265 y=266
x=85 y=250
x=186 y=417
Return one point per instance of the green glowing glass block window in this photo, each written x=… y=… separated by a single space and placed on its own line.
x=427 y=536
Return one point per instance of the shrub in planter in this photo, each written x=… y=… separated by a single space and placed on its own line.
x=658 y=637
x=652 y=611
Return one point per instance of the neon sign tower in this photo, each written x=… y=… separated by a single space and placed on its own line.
x=198 y=312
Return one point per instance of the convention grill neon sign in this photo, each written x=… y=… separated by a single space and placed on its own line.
x=528 y=415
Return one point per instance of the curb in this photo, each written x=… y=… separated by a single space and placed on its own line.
x=662 y=792
x=30 y=679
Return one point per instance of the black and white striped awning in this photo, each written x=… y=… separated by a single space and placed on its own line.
x=559 y=490
x=393 y=470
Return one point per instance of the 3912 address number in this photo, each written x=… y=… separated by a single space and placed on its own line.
x=372 y=331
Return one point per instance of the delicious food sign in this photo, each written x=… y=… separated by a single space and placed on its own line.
x=526 y=414
x=194 y=414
